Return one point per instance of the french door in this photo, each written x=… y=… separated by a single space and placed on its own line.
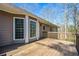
x=18 y=28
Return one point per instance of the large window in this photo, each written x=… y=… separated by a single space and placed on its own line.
x=19 y=28
x=32 y=28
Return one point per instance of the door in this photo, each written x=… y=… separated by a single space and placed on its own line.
x=18 y=29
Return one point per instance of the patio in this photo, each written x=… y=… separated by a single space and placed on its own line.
x=44 y=47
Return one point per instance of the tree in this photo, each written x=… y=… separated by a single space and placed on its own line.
x=75 y=16
x=66 y=20
x=48 y=13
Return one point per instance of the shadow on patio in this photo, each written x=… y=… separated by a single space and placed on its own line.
x=9 y=48
x=66 y=50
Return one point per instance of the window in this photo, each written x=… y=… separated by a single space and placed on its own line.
x=32 y=29
x=44 y=28
x=19 y=28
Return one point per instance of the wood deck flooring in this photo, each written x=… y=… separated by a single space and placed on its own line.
x=44 y=47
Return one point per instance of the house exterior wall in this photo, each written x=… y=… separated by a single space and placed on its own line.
x=44 y=33
x=41 y=30
x=6 y=27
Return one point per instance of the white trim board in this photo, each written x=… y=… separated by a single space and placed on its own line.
x=26 y=29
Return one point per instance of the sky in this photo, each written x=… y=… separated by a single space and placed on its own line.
x=49 y=11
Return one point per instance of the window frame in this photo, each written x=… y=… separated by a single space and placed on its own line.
x=29 y=28
x=14 y=27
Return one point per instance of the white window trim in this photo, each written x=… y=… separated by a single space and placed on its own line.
x=14 y=28
x=36 y=29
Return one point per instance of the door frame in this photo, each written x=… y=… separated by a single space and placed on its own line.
x=14 y=27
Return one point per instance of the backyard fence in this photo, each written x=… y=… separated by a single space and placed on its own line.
x=69 y=36
x=53 y=35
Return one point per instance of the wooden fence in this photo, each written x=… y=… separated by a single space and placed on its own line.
x=62 y=35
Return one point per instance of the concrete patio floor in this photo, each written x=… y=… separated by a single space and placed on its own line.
x=44 y=47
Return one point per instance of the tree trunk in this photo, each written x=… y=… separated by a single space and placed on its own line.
x=77 y=43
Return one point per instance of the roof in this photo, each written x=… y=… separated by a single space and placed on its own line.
x=17 y=10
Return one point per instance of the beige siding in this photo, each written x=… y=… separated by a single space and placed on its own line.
x=43 y=33
x=6 y=27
